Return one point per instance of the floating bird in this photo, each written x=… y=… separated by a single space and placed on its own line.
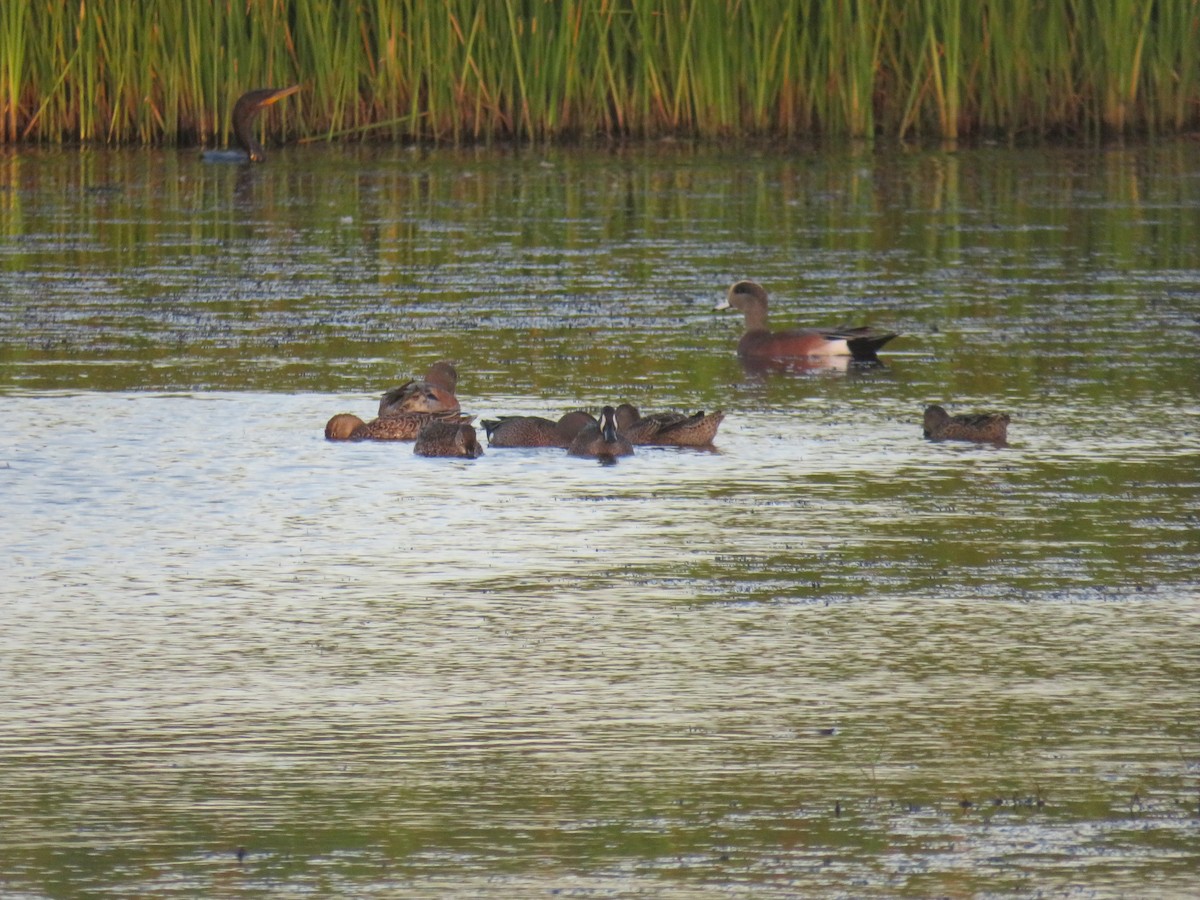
x=398 y=427
x=249 y=105
x=433 y=393
x=535 y=431
x=444 y=438
x=342 y=427
x=760 y=343
x=670 y=429
x=982 y=428
x=600 y=439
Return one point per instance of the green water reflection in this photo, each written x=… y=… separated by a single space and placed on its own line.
x=1009 y=267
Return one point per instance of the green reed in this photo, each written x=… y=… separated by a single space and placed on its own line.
x=470 y=70
x=1172 y=65
x=14 y=37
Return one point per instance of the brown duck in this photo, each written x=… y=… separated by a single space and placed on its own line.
x=535 y=431
x=400 y=427
x=760 y=343
x=600 y=439
x=670 y=429
x=444 y=438
x=982 y=428
x=433 y=393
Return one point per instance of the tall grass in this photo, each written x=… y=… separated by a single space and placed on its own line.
x=14 y=37
x=166 y=71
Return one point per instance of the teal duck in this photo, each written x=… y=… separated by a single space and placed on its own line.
x=669 y=429
x=535 y=431
x=433 y=393
x=600 y=439
x=982 y=428
x=760 y=343
x=398 y=427
x=247 y=107
x=443 y=438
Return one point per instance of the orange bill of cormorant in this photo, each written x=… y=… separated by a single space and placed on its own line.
x=249 y=105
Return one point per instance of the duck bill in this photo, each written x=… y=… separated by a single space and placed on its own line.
x=608 y=424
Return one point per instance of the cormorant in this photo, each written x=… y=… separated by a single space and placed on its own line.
x=247 y=107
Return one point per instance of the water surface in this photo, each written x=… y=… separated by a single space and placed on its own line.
x=830 y=658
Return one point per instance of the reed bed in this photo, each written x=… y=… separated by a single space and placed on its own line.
x=166 y=71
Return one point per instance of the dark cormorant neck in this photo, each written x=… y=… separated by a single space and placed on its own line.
x=248 y=106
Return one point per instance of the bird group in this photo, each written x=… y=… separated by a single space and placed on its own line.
x=761 y=347
x=427 y=412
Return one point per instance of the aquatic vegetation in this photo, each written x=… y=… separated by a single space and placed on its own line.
x=168 y=71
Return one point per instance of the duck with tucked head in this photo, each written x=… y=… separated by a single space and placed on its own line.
x=669 y=429
x=399 y=427
x=982 y=428
x=433 y=393
x=601 y=440
x=440 y=438
x=248 y=106
x=759 y=343
x=536 y=431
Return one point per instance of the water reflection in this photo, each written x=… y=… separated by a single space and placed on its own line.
x=397 y=258
x=831 y=657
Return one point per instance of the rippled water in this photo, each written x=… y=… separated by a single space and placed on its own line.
x=829 y=659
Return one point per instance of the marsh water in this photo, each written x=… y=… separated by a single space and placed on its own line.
x=829 y=658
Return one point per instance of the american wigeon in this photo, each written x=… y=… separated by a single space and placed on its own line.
x=440 y=438
x=536 y=431
x=982 y=428
x=399 y=427
x=433 y=393
x=669 y=429
x=341 y=427
x=760 y=343
x=600 y=439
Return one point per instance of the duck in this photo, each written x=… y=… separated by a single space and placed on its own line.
x=247 y=107
x=342 y=427
x=600 y=439
x=433 y=393
x=982 y=428
x=446 y=438
x=760 y=343
x=536 y=431
x=670 y=429
x=398 y=427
